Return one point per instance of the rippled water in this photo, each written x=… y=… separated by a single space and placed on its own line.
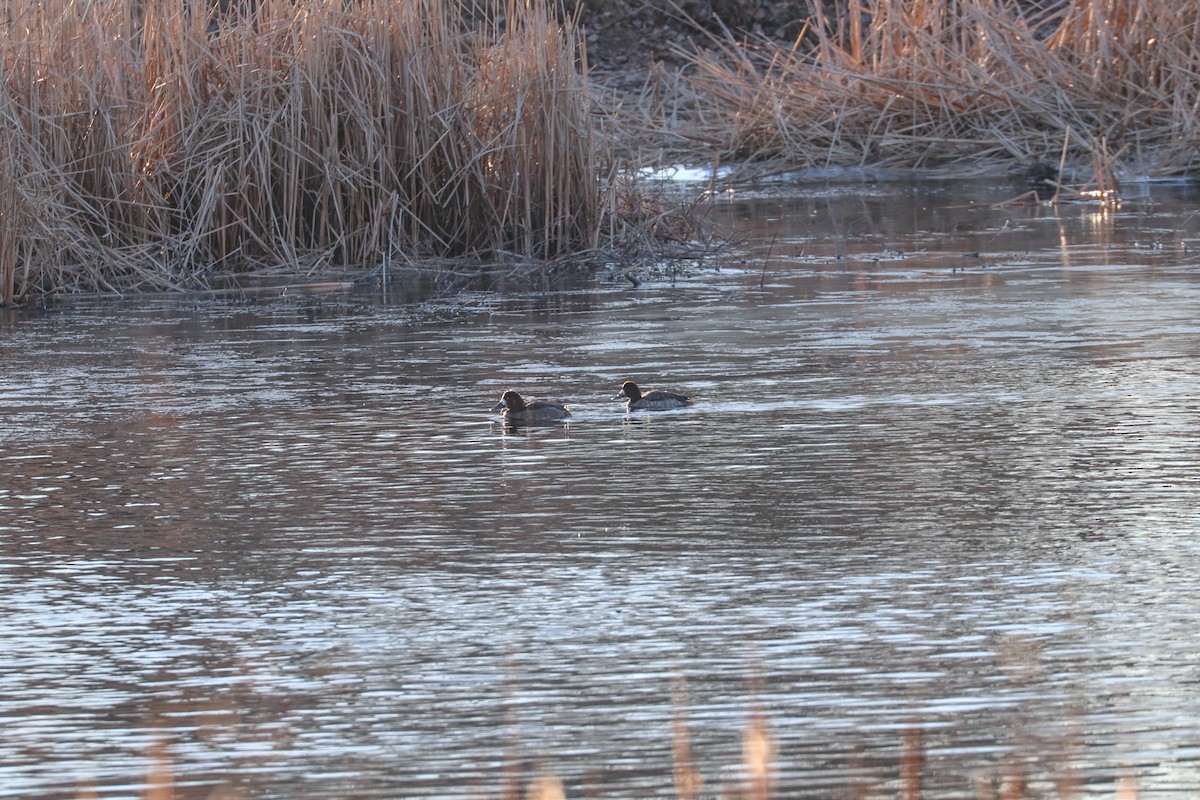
x=941 y=478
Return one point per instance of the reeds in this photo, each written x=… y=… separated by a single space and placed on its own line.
x=523 y=779
x=155 y=145
x=903 y=84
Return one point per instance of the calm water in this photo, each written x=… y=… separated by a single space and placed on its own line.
x=281 y=549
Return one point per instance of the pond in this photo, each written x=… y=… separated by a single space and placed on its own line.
x=932 y=518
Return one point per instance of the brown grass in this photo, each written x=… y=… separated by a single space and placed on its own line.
x=155 y=150
x=959 y=83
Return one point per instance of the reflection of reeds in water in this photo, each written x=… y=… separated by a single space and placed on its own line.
x=145 y=145
x=914 y=84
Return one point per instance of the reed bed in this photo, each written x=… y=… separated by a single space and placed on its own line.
x=957 y=83
x=160 y=145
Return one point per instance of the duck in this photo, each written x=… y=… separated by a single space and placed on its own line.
x=656 y=400
x=1042 y=173
x=516 y=409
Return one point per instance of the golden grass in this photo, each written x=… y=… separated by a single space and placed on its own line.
x=151 y=146
x=933 y=83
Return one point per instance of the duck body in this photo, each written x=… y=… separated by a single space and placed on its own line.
x=516 y=409
x=655 y=400
x=1042 y=173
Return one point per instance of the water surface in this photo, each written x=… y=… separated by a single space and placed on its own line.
x=940 y=478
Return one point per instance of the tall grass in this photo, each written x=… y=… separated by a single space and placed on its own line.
x=898 y=83
x=153 y=145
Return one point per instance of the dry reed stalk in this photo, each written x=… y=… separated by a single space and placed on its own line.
x=688 y=780
x=1013 y=779
x=546 y=787
x=896 y=83
x=911 y=759
x=10 y=224
x=758 y=757
x=1126 y=786
x=1067 y=780
x=153 y=144
x=160 y=782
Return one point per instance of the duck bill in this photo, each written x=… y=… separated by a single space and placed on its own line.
x=498 y=406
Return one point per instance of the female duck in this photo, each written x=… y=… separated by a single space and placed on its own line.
x=656 y=400
x=516 y=409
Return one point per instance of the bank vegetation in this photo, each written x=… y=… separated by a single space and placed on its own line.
x=1106 y=86
x=184 y=145
x=167 y=145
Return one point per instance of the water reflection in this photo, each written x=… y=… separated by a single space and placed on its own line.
x=283 y=549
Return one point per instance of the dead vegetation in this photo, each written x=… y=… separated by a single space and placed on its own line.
x=158 y=146
x=962 y=84
x=178 y=145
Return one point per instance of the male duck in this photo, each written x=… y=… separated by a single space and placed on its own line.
x=656 y=400
x=516 y=409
